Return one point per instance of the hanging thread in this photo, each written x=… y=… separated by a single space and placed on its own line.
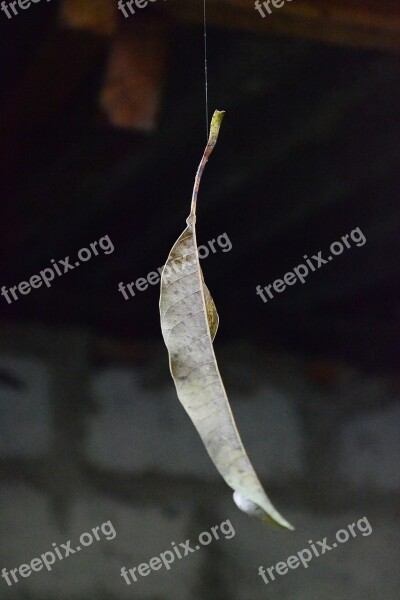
x=205 y=63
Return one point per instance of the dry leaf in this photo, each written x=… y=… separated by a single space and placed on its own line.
x=189 y=322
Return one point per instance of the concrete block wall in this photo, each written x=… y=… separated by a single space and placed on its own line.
x=89 y=440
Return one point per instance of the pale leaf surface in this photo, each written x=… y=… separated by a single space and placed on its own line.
x=189 y=322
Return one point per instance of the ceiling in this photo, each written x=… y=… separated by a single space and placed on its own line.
x=103 y=125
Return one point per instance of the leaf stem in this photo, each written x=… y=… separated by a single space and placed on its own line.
x=212 y=140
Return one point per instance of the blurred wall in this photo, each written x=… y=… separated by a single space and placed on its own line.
x=92 y=431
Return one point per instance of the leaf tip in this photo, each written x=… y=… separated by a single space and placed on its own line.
x=272 y=517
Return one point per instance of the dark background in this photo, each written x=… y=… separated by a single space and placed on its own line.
x=308 y=151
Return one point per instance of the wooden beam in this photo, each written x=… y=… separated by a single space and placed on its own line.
x=136 y=72
x=359 y=23
x=98 y=16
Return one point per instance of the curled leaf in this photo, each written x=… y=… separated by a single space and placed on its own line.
x=189 y=322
